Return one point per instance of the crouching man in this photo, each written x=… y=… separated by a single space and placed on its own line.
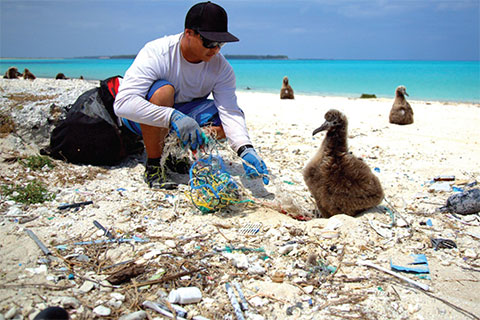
x=167 y=86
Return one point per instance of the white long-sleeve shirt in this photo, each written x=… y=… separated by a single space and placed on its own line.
x=162 y=59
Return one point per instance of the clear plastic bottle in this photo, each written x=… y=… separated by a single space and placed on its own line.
x=185 y=295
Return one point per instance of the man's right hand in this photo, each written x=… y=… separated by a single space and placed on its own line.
x=188 y=130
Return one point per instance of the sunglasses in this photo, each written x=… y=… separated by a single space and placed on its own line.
x=209 y=44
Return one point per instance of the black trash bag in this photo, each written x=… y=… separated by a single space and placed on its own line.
x=89 y=134
x=53 y=313
x=467 y=202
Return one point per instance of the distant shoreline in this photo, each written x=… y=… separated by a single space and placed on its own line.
x=438 y=81
x=305 y=95
x=228 y=56
x=132 y=56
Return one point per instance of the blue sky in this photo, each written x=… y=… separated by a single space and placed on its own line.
x=325 y=29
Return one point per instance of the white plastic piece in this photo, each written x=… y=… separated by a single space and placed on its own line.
x=185 y=295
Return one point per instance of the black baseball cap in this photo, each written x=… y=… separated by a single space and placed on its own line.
x=210 y=20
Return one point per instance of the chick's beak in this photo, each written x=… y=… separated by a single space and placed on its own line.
x=323 y=127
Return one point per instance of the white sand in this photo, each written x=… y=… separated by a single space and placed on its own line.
x=443 y=140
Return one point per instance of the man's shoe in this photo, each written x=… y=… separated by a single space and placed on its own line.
x=156 y=178
x=181 y=166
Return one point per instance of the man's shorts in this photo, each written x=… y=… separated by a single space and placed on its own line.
x=203 y=110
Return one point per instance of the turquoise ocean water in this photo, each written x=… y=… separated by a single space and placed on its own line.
x=425 y=80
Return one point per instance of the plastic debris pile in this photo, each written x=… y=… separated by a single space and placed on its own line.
x=211 y=186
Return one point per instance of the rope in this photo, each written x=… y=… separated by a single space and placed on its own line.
x=211 y=186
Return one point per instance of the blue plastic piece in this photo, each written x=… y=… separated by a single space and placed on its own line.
x=419 y=265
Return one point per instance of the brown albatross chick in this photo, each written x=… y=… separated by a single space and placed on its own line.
x=286 y=92
x=27 y=75
x=12 y=73
x=60 y=76
x=401 y=112
x=340 y=182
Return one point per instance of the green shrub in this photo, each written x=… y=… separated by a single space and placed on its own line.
x=368 y=96
x=34 y=192
x=37 y=162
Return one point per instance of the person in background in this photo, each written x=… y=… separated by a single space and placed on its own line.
x=166 y=89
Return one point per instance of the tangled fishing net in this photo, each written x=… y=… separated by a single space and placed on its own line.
x=211 y=187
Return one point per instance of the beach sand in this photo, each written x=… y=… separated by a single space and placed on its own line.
x=285 y=269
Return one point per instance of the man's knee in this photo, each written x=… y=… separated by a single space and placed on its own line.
x=216 y=131
x=164 y=96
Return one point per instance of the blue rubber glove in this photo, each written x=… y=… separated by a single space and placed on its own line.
x=188 y=130
x=252 y=159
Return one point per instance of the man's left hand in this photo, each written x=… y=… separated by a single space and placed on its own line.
x=254 y=165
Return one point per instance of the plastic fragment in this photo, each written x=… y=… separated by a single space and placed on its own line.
x=243 y=301
x=161 y=309
x=467 y=202
x=372 y=265
x=107 y=233
x=233 y=300
x=38 y=242
x=251 y=228
x=133 y=239
x=443 y=244
x=418 y=265
x=444 y=178
x=291 y=308
x=74 y=205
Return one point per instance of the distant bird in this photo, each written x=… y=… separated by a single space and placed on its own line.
x=28 y=75
x=286 y=92
x=12 y=73
x=401 y=112
x=340 y=182
x=60 y=76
